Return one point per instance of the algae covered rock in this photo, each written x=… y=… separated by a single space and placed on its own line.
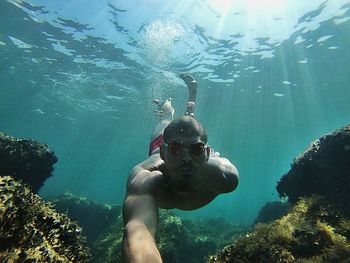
x=108 y=247
x=272 y=211
x=91 y=216
x=26 y=160
x=322 y=169
x=31 y=231
x=207 y=235
x=314 y=231
x=172 y=239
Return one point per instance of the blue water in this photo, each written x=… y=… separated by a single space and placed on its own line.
x=81 y=75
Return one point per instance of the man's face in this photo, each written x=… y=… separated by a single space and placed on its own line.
x=184 y=158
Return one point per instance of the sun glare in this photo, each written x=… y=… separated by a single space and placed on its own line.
x=249 y=16
x=224 y=6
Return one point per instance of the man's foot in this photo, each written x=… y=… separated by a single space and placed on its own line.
x=189 y=80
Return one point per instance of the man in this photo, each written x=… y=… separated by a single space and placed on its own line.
x=181 y=172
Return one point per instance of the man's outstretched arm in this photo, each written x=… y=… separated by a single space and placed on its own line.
x=140 y=214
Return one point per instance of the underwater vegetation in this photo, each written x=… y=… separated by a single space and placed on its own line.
x=179 y=240
x=31 y=231
x=313 y=231
x=26 y=160
x=317 y=227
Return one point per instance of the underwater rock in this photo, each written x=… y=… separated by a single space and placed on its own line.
x=207 y=235
x=178 y=240
x=322 y=169
x=26 y=160
x=314 y=231
x=108 y=246
x=91 y=216
x=31 y=231
x=172 y=238
x=272 y=211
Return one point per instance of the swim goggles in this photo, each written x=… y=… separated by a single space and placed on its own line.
x=195 y=149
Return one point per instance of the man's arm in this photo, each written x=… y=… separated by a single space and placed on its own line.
x=140 y=213
x=225 y=173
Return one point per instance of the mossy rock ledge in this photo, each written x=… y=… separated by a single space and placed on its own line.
x=31 y=231
x=26 y=160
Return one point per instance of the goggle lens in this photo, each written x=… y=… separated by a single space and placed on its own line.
x=197 y=149
x=174 y=147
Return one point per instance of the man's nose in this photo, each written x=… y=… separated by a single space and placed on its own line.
x=186 y=155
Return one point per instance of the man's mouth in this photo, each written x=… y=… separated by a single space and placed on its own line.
x=185 y=188
x=186 y=170
x=187 y=174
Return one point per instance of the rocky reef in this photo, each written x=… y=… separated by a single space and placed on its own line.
x=317 y=228
x=31 y=231
x=91 y=216
x=193 y=240
x=26 y=160
x=178 y=240
x=322 y=169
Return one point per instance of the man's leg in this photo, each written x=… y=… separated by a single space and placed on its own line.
x=165 y=113
x=192 y=93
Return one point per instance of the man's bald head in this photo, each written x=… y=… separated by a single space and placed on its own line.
x=186 y=126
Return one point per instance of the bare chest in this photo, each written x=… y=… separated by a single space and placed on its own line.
x=168 y=199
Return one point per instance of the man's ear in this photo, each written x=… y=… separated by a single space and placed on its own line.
x=208 y=152
x=161 y=151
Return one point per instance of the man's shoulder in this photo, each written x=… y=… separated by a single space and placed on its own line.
x=222 y=174
x=145 y=177
x=152 y=163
